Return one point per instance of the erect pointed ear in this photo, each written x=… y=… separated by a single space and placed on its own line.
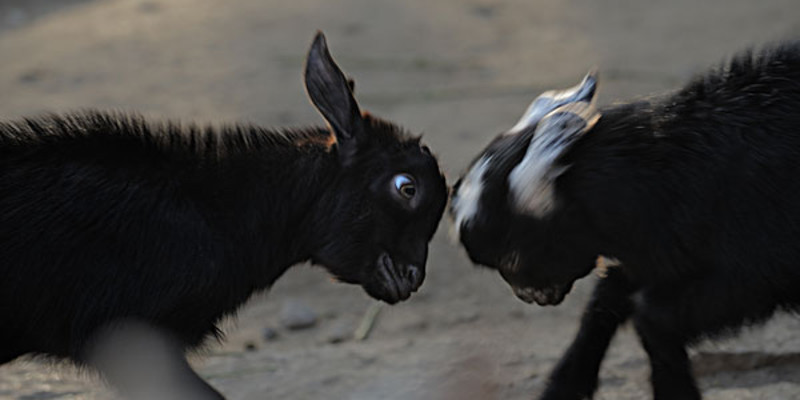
x=550 y=100
x=532 y=181
x=331 y=93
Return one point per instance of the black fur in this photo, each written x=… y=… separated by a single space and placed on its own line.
x=107 y=217
x=695 y=193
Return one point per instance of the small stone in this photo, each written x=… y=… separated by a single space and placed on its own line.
x=340 y=331
x=269 y=334
x=484 y=11
x=32 y=76
x=296 y=315
x=250 y=346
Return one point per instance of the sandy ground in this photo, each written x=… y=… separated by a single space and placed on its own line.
x=458 y=71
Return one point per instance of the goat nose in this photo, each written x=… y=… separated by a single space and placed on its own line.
x=414 y=277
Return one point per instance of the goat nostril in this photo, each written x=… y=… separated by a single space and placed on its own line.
x=413 y=276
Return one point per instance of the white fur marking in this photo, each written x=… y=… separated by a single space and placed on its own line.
x=531 y=181
x=467 y=200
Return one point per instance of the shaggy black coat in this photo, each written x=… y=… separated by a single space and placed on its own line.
x=695 y=193
x=107 y=217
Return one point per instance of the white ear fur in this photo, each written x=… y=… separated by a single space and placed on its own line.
x=467 y=199
x=531 y=182
x=550 y=100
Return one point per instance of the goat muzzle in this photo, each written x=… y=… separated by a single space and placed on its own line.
x=398 y=280
x=549 y=296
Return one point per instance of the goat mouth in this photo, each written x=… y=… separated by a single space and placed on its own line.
x=549 y=296
x=395 y=287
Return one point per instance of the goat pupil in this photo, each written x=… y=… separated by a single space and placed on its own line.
x=409 y=190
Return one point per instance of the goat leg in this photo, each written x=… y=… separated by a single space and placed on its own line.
x=665 y=343
x=575 y=376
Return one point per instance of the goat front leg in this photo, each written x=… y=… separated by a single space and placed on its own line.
x=671 y=372
x=664 y=331
x=575 y=376
x=142 y=362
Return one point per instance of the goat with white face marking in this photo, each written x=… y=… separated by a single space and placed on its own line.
x=499 y=204
x=693 y=195
x=109 y=220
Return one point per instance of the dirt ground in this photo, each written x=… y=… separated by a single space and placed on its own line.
x=457 y=70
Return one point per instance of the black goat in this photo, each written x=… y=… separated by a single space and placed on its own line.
x=107 y=219
x=692 y=195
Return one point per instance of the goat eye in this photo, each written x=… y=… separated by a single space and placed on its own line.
x=404 y=184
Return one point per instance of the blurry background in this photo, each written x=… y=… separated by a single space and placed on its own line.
x=458 y=71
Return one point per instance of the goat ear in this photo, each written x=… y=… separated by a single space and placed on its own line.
x=331 y=93
x=532 y=181
x=550 y=100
